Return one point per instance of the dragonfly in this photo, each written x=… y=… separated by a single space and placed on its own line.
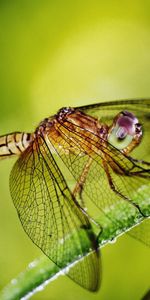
x=94 y=143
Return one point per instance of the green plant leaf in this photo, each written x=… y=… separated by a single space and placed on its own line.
x=119 y=219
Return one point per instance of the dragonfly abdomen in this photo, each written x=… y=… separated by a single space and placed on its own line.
x=14 y=143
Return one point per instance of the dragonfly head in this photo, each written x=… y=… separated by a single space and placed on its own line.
x=126 y=132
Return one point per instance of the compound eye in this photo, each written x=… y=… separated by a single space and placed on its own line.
x=124 y=130
x=119 y=137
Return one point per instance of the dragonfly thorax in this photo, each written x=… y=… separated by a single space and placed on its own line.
x=61 y=114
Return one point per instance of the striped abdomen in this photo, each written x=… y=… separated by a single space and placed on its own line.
x=14 y=143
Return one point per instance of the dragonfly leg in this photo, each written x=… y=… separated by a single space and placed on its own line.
x=140 y=161
x=113 y=188
x=78 y=189
x=92 y=220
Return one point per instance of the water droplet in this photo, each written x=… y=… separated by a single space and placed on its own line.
x=113 y=240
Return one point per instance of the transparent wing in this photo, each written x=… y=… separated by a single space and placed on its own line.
x=108 y=109
x=102 y=185
x=142 y=232
x=51 y=216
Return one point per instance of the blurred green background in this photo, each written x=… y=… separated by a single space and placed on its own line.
x=70 y=53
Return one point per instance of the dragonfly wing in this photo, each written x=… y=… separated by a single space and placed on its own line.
x=50 y=215
x=129 y=182
x=109 y=109
x=142 y=232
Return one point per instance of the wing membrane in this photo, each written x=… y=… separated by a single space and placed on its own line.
x=50 y=216
x=128 y=182
x=108 y=109
x=142 y=232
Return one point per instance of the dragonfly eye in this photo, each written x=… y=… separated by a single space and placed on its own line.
x=119 y=138
x=123 y=131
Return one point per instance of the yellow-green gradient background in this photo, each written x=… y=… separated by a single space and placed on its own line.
x=70 y=53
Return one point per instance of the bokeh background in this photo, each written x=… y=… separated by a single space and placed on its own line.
x=70 y=53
